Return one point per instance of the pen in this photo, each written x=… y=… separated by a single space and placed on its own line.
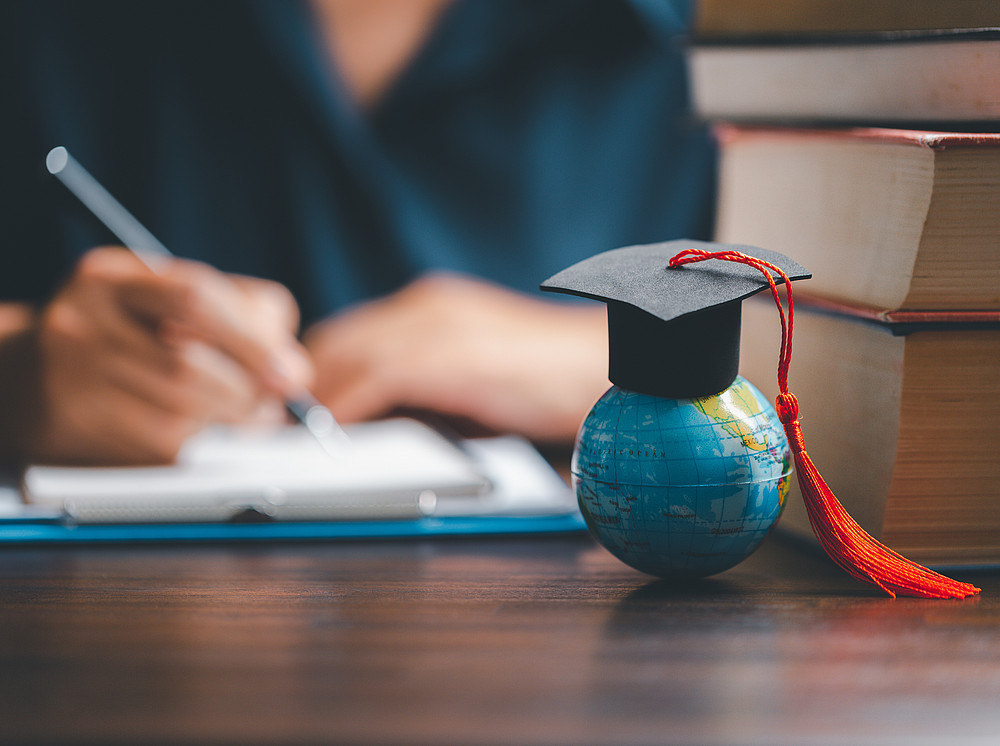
x=318 y=419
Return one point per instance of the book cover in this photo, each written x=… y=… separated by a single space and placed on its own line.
x=774 y=18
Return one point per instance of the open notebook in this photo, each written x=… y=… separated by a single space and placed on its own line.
x=396 y=472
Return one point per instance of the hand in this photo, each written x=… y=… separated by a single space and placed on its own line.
x=132 y=363
x=462 y=348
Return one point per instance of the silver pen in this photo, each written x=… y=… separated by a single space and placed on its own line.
x=318 y=419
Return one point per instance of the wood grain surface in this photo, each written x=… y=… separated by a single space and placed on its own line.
x=524 y=640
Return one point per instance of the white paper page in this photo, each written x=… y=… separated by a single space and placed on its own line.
x=523 y=482
x=392 y=469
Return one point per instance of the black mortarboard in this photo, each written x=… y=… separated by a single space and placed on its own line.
x=672 y=332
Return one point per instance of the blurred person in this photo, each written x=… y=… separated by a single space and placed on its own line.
x=400 y=175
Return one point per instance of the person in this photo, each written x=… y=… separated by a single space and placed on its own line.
x=392 y=177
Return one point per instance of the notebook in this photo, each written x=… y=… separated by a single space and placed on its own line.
x=398 y=477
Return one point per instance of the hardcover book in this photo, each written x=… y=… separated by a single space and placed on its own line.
x=891 y=219
x=903 y=422
x=902 y=78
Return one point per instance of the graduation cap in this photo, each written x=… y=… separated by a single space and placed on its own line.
x=672 y=331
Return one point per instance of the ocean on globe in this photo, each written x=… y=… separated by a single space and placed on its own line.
x=682 y=487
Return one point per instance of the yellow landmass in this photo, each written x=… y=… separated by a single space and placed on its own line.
x=730 y=410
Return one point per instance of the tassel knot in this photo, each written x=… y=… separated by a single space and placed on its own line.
x=788 y=407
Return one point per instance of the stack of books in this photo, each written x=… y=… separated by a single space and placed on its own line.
x=863 y=140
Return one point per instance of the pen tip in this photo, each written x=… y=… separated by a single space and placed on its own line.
x=56 y=160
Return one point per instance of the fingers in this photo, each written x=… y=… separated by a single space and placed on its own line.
x=467 y=349
x=134 y=362
x=128 y=430
x=252 y=321
x=192 y=380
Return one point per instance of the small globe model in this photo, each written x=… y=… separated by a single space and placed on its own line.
x=682 y=487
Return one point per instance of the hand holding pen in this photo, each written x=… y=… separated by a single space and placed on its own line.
x=140 y=350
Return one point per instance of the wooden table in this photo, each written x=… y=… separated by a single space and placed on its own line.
x=526 y=640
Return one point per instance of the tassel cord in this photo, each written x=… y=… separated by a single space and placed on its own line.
x=850 y=546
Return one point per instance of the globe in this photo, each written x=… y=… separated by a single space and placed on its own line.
x=682 y=487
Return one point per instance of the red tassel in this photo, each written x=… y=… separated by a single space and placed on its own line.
x=849 y=545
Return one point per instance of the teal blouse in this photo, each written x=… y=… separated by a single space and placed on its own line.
x=525 y=135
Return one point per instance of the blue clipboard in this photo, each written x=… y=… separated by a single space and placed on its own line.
x=500 y=458
x=55 y=531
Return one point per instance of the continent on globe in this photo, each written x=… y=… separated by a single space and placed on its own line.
x=731 y=402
